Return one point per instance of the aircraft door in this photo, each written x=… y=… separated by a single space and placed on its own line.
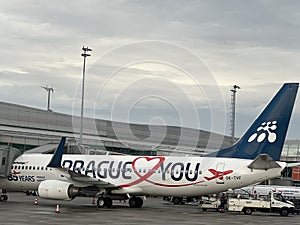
x=220 y=171
x=7 y=157
x=3 y=166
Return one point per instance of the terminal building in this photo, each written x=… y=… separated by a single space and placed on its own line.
x=27 y=128
x=37 y=130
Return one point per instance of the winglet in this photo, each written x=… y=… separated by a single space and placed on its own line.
x=57 y=156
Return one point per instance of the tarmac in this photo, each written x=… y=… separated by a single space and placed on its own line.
x=20 y=209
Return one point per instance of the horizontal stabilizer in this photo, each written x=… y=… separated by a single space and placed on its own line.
x=263 y=162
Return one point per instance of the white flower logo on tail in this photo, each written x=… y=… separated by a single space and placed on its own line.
x=267 y=128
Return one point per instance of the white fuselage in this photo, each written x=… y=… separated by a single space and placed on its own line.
x=140 y=175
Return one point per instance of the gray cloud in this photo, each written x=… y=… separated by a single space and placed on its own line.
x=254 y=44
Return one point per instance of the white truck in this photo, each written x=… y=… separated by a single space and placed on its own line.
x=274 y=202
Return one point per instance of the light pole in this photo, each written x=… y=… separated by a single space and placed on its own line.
x=84 y=55
x=48 y=89
x=233 y=89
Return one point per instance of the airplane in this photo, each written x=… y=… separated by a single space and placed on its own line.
x=252 y=159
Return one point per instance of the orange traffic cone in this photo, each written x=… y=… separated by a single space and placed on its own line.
x=57 y=209
x=35 y=201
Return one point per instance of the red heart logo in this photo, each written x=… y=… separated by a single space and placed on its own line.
x=150 y=171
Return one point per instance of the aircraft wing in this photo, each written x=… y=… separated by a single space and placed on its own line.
x=81 y=179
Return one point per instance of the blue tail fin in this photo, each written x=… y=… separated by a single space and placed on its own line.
x=267 y=134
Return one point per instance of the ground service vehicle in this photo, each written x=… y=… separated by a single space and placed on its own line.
x=209 y=203
x=275 y=202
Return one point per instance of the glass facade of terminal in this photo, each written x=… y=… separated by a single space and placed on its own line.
x=291 y=151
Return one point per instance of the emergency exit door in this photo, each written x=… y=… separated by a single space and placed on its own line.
x=220 y=172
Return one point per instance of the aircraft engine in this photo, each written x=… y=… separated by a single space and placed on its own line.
x=57 y=190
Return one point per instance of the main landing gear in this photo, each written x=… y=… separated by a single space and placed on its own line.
x=104 y=202
x=107 y=202
x=3 y=196
x=136 y=202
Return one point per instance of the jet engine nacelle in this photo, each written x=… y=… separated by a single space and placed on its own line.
x=57 y=190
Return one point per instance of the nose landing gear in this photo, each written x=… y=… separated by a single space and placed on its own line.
x=3 y=196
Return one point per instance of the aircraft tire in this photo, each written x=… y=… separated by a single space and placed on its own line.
x=3 y=198
x=100 y=202
x=136 y=202
x=108 y=202
x=104 y=202
x=177 y=200
x=140 y=202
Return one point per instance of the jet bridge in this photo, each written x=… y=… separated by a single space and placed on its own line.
x=7 y=156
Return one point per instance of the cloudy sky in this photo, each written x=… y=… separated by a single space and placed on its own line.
x=154 y=62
